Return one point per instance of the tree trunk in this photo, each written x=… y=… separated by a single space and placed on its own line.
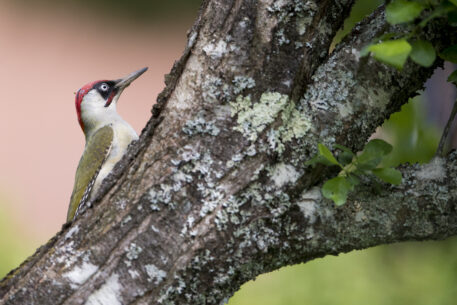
x=216 y=191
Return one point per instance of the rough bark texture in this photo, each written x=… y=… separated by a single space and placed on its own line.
x=216 y=192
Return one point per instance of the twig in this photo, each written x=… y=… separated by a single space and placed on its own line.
x=439 y=151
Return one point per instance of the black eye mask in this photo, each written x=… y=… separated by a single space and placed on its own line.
x=106 y=94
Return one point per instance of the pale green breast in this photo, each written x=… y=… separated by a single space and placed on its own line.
x=95 y=153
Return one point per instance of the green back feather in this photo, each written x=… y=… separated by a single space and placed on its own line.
x=95 y=153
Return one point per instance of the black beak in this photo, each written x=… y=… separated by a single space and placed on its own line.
x=126 y=81
x=122 y=83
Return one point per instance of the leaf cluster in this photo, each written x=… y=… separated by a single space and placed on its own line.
x=395 y=48
x=353 y=166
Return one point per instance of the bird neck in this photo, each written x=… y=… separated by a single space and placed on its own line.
x=95 y=118
x=92 y=126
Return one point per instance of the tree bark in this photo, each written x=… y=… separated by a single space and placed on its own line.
x=216 y=191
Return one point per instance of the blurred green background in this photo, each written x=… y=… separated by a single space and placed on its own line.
x=407 y=273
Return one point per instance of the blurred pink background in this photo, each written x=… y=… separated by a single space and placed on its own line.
x=44 y=58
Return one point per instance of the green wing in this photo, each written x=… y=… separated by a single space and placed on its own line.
x=95 y=153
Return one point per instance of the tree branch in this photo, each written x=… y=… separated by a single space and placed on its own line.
x=216 y=190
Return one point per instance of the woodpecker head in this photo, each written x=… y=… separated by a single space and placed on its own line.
x=96 y=101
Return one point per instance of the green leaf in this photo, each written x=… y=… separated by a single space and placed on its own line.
x=337 y=189
x=327 y=154
x=372 y=154
x=319 y=159
x=450 y=54
x=389 y=175
x=353 y=180
x=345 y=158
x=388 y=36
x=453 y=2
x=423 y=53
x=378 y=145
x=452 y=17
x=401 y=11
x=392 y=52
x=442 y=9
x=343 y=148
x=453 y=77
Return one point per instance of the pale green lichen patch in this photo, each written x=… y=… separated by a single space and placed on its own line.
x=212 y=200
x=126 y=220
x=241 y=83
x=211 y=88
x=342 y=93
x=253 y=118
x=373 y=97
x=274 y=141
x=327 y=96
x=302 y=11
x=275 y=7
x=435 y=170
x=188 y=225
x=282 y=38
x=296 y=123
x=324 y=28
x=283 y=174
x=155 y=274
x=160 y=196
x=308 y=204
x=133 y=251
x=303 y=23
x=216 y=49
x=200 y=126
x=298 y=45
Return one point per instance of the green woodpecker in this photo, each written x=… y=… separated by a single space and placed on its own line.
x=107 y=137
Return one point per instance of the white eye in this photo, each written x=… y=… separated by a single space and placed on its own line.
x=104 y=87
